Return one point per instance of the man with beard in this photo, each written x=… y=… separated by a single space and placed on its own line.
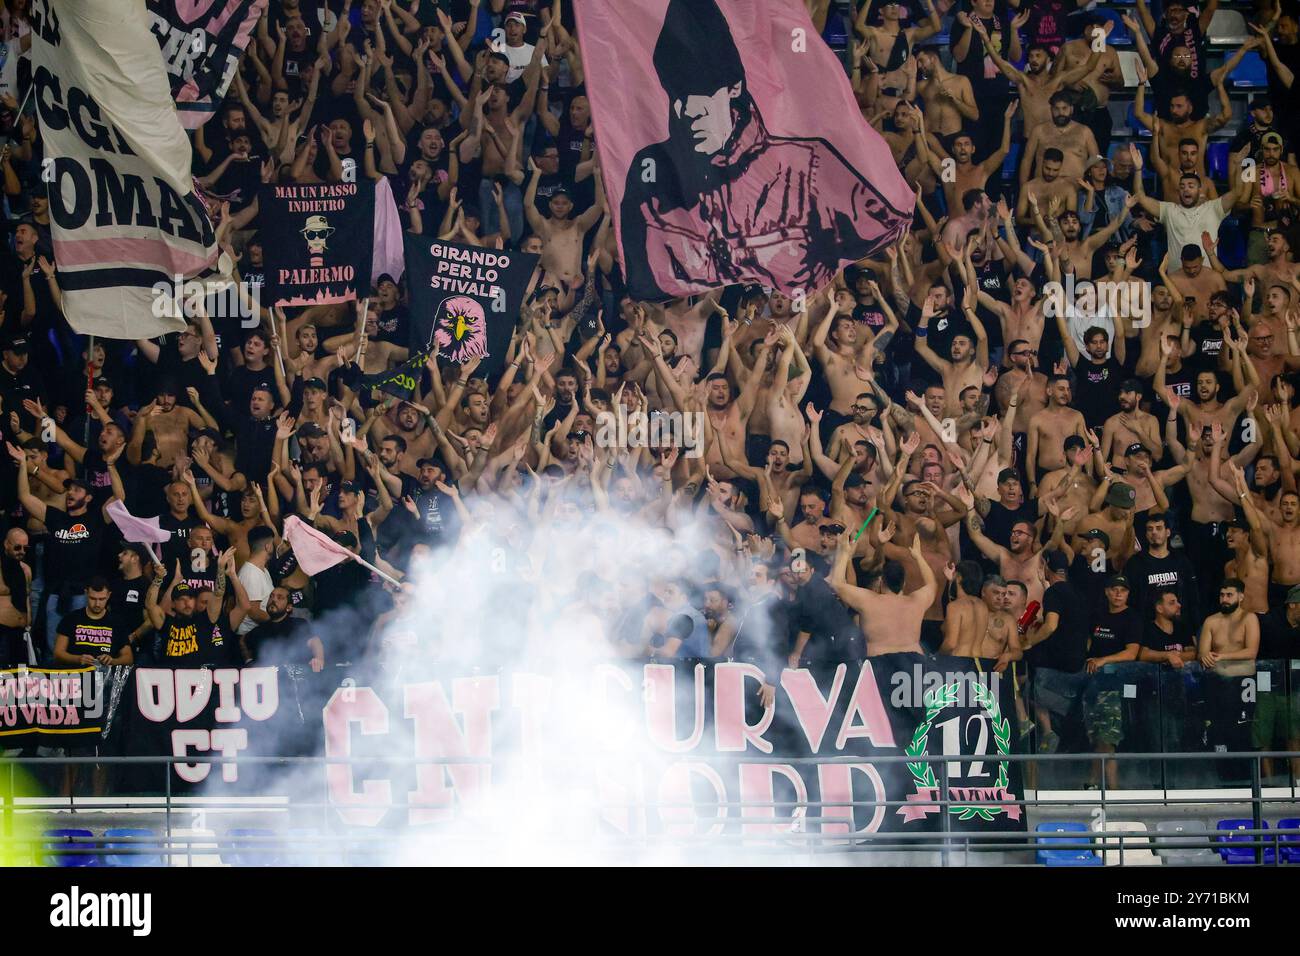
x=965 y=174
x=1072 y=140
x=691 y=228
x=1130 y=426
x=1099 y=64
x=188 y=639
x=408 y=421
x=1206 y=411
x=1277 y=269
x=967 y=360
x=948 y=98
x=1195 y=283
x=436 y=516
x=966 y=618
x=1023 y=559
x=1080 y=251
x=1047 y=191
x=1186 y=221
x=1274 y=196
x=1011 y=508
x=1230 y=635
x=866 y=421
x=720 y=617
x=280 y=638
x=1041 y=77
x=1098 y=373
x=1189 y=162
x=1049 y=430
x=170 y=425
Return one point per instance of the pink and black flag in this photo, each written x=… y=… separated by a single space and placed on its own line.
x=732 y=147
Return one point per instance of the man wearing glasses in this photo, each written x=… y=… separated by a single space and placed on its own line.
x=15 y=585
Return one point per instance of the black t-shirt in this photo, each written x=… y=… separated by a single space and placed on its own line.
x=94 y=636
x=281 y=641
x=833 y=636
x=998 y=522
x=1067 y=648
x=1096 y=389
x=127 y=602
x=191 y=641
x=1147 y=573
x=1155 y=639
x=255 y=444
x=243 y=380
x=1111 y=633
x=73 y=550
x=1209 y=346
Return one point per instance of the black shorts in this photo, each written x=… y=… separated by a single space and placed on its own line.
x=13 y=648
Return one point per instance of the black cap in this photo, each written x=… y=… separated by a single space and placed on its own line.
x=311 y=430
x=182 y=588
x=1057 y=562
x=75 y=483
x=139 y=550
x=429 y=461
x=1121 y=495
x=1007 y=474
x=1136 y=448
x=15 y=343
x=351 y=487
x=385 y=277
x=101 y=382
x=1132 y=385
x=314 y=383
x=1260 y=101
x=1097 y=535
x=209 y=433
x=1117 y=581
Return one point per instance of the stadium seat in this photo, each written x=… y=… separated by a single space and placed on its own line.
x=1250 y=73
x=1128 y=61
x=1229 y=838
x=1177 y=852
x=1136 y=851
x=1133 y=124
x=303 y=848
x=1228 y=29
x=83 y=855
x=1289 y=843
x=1074 y=855
x=260 y=851
x=1009 y=165
x=1216 y=158
x=133 y=855
x=1119 y=35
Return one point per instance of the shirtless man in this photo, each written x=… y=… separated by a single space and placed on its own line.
x=1230 y=634
x=729 y=417
x=1023 y=560
x=967 y=360
x=1001 y=635
x=949 y=100
x=170 y=425
x=1048 y=190
x=1195 y=283
x=1041 y=77
x=1021 y=389
x=408 y=421
x=1248 y=543
x=1130 y=426
x=1048 y=431
x=1111 y=513
x=1189 y=163
x=963 y=174
x=1069 y=490
x=1207 y=410
x=1071 y=139
x=891 y=622
x=563 y=237
x=1094 y=58
x=780 y=397
x=1079 y=251
x=1211 y=509
x=1022 y=320
x=1278 y=269
x=1283 y=542
x=252 y=510
x=966 y=619
x=836 y=344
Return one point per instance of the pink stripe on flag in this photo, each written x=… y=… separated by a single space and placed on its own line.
x=151 y=253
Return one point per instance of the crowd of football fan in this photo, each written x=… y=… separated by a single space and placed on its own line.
x=1065 y=423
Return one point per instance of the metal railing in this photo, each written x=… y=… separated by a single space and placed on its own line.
x=757 y=830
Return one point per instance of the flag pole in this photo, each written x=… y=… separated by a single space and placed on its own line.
x=90 y=384
x=366 y=564
x=17 y=116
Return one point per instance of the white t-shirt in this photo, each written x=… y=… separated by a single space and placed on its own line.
x=257 y=582
x=519 y=57
x=1183 y=227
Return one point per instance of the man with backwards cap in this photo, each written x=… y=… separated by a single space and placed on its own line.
x=1111 y=513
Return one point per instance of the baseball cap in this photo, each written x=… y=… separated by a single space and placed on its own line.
x=1096 y=534
x=138 y=550
x=1132 y=385
x=1260 y=101
x=1137 y=448
x=1057 y=562
x=1121 y=495
x=351 y=487
x=75 y=483
x=314 y=383
x=1117 y=581
x=1293 y=596
x=311 y=430
x=182 y=588
x=1094 y=161
x=1008 y=474
x=1271 y=138
x=209 y=433
x=385 y=277
x=15 y=343
x=516 y=17
x=434 y=462
x=101 y=382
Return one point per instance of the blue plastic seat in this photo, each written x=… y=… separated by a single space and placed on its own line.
x=1216 y=157
x=84 y=854
x=1289 y=843
x=1011 y=163
x=131 y=853
x=1076 y=855
x=303 y=847
x=1250 y=72
x=1119 y=35
x=1137 y=128
x=1231 y=848
x=257 y=852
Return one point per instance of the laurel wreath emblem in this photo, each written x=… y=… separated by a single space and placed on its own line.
x=923 y=771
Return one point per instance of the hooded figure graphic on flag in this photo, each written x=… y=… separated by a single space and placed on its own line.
x=727 y=201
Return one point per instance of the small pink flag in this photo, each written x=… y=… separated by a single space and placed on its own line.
x=136 y=530
x=315 y=552
x=387 y=257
